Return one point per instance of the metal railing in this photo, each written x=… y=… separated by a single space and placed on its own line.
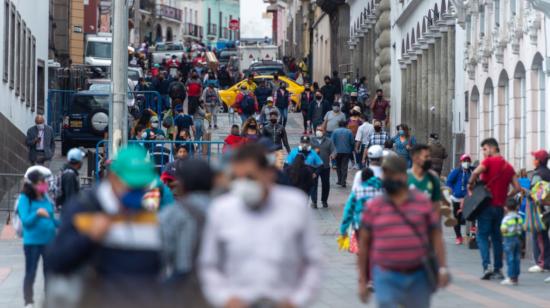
x=10 y=188
x=209 y=150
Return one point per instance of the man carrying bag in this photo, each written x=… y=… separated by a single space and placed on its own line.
x=498 y=174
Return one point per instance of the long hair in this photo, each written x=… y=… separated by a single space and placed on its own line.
x=295 y=170
x=32 y=179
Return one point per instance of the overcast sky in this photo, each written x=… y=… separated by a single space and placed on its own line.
x=252 y=23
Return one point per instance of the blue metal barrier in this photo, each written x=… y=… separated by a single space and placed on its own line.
x=213 y=151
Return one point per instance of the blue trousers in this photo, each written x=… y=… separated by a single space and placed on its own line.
x=32 y=256
x=512 y=248
x=488 y=227
x=395 y=289
x=284 y=115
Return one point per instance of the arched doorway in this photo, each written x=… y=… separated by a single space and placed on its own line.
x=503 y=99
x=169 y=37
x=487 y=110
x=536 y=112
x=473 y=119
x=158 y=33
x=519 y=115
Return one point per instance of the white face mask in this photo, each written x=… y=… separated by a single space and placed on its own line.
x=319 y=134
x=40 y=126
x=304 y=147
x=249 y=191
x=465 y=165
x=154 y=124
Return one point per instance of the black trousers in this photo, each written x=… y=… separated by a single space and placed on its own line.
x=324 y=174
x=342 y=162
x=304 y=117
x=459 y=218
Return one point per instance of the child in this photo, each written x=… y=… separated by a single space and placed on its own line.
x=233 y=140
x=511 y=229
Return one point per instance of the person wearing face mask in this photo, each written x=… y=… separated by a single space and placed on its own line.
x=327 y=151
x=458 y=182
x=155 y=129
x=328 y=90
x=380 y=108
x=41 y=142
x=305 y=101
x=237 y=273
x=36 y=213
x=267 y=110
x=245 y=103
x=233 y=140
x=312 y=158
x=437 y=153
x=276 y=132
x=109 y=231
x=354 y=122
x=332 y=119
x=377 y=136
x=317 y=110
x=282 y=102
x=250 y=131
x=393 y=243
x=403 y=143
x=194 y=91
x=421 y=178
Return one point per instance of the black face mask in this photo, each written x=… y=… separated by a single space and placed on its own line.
x=377 y=129
x=253 y=126
x=392 y=186
x=380 y=96
x=427 y=165
x=319 y=97
x=273 y=121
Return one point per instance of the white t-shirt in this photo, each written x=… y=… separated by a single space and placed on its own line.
x=363 y=132
x=377 y=170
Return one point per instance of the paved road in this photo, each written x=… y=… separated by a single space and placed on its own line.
x=338 y=288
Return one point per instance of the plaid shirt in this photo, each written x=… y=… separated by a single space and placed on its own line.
x=379 y=138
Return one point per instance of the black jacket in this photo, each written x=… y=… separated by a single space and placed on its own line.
x=262 y=93
x=70 y=184
x=277 y=134
x=325 y=106
x=329 y=91
x=305 y=101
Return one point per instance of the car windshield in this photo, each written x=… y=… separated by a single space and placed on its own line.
x=88 y=103
x=106 y=88
x=99 y=50
x=133 y=74
x=168 y=47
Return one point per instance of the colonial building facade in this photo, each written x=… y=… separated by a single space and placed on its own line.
x=505 y=83
x=426 y=83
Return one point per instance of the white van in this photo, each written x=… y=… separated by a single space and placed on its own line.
x=98 y=51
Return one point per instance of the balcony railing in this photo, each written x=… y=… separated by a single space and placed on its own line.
x=192 y=30
x=212 y=29
x=167 y=11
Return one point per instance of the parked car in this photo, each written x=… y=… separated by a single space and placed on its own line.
x=228 y=96
x=134 y=73
x=104 y=86
x=166 y=51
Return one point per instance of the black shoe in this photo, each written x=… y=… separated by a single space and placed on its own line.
x=325 y=204
x=497 y=274
x=210 y=126
x=314 y=205
x=487 y=274
x=343 y=185
x=215 y=126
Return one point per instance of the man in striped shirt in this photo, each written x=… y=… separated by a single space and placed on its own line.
x=393 y=249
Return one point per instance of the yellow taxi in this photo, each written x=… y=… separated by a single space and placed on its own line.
x=228 y=96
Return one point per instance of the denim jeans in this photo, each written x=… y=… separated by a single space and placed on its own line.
x=541 y=249
x=284 y=115
x=244 y=117
x=512 y=249
x=213 y=110
x=395 y=289
x=199 y=128
x=359 y=156
x=325 y=185
x=488 y=226
x=32 y=256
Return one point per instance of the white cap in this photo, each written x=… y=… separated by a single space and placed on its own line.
x=75 y=155
x=45 y=171
x=375 y=152
x=269 y=99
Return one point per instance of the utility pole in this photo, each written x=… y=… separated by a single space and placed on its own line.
x=118 y=110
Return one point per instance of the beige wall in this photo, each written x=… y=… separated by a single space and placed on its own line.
x=76 y=40
x=321 y=47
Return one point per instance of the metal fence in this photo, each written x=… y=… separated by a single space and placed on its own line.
x=59 y=99
x=10 y=187
x=208 y=150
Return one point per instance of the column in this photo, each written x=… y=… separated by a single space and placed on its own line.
x=404 y=85
x=425 y=95
x=413 y=103
x=451 y=65
x=430 y=88
x=436 y=115
x=445 y=101
x=418 y=100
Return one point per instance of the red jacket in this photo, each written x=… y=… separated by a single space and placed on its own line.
x=232 y=142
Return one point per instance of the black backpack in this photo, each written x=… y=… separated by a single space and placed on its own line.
x=247 y=105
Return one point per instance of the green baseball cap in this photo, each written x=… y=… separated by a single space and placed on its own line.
x=133 y=168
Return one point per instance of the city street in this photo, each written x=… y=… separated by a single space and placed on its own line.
x=339 y=281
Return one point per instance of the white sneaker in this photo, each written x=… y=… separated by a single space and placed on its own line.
x=547 y=280
x=509 y=282
x=535 y=269
x=29 y=306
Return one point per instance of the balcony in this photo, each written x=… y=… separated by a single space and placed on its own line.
x=167 y=11
x=192 y=31
x=212 y=30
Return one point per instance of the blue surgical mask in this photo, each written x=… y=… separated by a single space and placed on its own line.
x=401 y=132
x=132 y=199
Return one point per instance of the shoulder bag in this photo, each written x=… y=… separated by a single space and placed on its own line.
x=479 y=199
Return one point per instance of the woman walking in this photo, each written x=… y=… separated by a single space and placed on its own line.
x=403 y=143
x=36 y=212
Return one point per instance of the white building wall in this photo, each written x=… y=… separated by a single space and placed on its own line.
x=11 y=106
x=321 y=47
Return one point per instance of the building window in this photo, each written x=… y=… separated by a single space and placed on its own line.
x=468 y=29
x=12 y=46
x=40 y=80
x=209 y=21
x=6 y=59
x=221 y=24
x=23 y=61
x=482 y=20
x=497 y=12
x=33 y=70
x=18 y=53
x=466 y=107
x=513 y=7
x=30 y=76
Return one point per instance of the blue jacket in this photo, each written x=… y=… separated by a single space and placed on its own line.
x=353 y=210
x=343 y=140
x=458 y=182
x=37 y=230
x=312 y=159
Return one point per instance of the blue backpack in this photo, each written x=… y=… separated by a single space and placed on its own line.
x=247 y=105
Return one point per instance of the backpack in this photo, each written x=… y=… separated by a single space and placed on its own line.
x=58 y=189
x=16 y=220
x=194 y=89
x=247 y=105
x=541 y=192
